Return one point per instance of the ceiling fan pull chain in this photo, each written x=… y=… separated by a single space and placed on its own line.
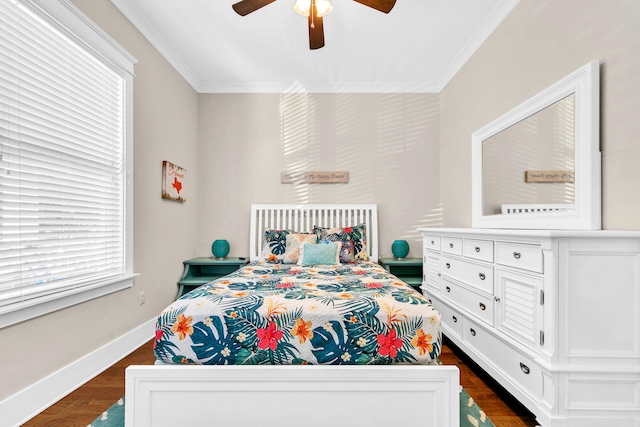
x=313 y=13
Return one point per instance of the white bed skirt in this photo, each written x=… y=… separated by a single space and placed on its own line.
x=401 y=395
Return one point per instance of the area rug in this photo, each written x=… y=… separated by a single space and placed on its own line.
x=470 y=414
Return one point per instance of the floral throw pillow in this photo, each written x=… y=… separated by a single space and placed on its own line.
x=294 y=244
x=353 y=240
x=274 y=245
x=347 y=251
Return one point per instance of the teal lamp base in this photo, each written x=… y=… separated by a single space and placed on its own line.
x=400 y=249
x=220 y=248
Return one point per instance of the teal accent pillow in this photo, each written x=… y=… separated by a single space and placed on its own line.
x=328 y=254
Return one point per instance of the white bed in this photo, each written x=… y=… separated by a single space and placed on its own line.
x=402 y=395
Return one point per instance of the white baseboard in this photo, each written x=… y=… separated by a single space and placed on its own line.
x=29 y=402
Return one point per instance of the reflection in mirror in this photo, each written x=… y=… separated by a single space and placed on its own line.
x=543 y=141
x=538 y=165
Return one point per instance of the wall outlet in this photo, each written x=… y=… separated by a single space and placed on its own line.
x=142 y=298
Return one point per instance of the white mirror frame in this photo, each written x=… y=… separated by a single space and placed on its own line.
x=585 y=83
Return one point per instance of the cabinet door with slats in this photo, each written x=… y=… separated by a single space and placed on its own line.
x=518 y=306
x=431 y=272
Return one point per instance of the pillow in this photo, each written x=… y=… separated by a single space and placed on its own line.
x=294 y=242
x=274 y=245
x=328 y=254
x=353 y=240
x=347 y=251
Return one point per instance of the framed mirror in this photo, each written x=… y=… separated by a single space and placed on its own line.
x=538 y=166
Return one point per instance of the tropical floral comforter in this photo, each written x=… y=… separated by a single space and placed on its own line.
x=264 y=313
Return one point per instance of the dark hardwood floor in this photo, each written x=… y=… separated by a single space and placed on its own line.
x=81 y=407
x=84 y=405
x=501 y=408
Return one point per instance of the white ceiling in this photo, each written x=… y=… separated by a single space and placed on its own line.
x=418 y=47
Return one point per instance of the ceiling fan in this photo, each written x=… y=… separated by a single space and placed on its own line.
x=314 y=10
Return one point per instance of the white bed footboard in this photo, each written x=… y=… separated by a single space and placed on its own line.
x=425 y=396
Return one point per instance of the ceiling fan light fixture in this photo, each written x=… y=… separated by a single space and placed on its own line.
x=313 y=10
x=323 y=7
x=303 y=7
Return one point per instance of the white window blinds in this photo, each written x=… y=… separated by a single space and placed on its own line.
x=62 y=161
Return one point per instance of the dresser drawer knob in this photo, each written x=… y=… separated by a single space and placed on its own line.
x=482 y=276
x=525 y=368
x=455 y=319
x=496 y=299
x=451 y=245
x=433 y=243
x=473 y=333
x=448 y=289
x=448 y=265
x=483 y=307
x=516 y=255
x=439 y=274
x=477 y=248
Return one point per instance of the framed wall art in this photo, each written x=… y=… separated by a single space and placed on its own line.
x=173 y=181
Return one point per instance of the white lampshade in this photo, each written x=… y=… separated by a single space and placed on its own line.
x=303 y=7
x=323 y=7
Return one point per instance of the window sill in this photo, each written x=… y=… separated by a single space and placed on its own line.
x=19 y=312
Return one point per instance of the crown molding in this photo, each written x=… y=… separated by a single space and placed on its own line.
x=488 y=26
x=151 y=33
x=317 y=87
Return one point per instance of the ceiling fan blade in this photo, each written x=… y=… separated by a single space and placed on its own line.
x=381 y=5
x=245 y=7
x=316 y=31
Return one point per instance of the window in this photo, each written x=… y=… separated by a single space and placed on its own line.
x=65 y=160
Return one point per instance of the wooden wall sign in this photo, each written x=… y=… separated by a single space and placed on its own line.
x=549 y=176
x=314 y=177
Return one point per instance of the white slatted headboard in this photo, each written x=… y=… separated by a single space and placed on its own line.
x=303 y=217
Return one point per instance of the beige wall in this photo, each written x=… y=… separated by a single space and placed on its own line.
x=387 y=142
x=165 y=116
x=539 y=43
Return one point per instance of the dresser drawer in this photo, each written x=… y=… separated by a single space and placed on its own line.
x=516 y=366
x=479 y=276
x=451 y=245
x=526 y=257
x=431 y=243
x=478 y=249
x=479 y=305
x=451 y=318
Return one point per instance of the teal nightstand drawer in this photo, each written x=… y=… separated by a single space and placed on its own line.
x=219 y=270
x=199 y=271
x=409 y=270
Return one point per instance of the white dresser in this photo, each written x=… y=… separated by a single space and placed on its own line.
x=553 y=316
